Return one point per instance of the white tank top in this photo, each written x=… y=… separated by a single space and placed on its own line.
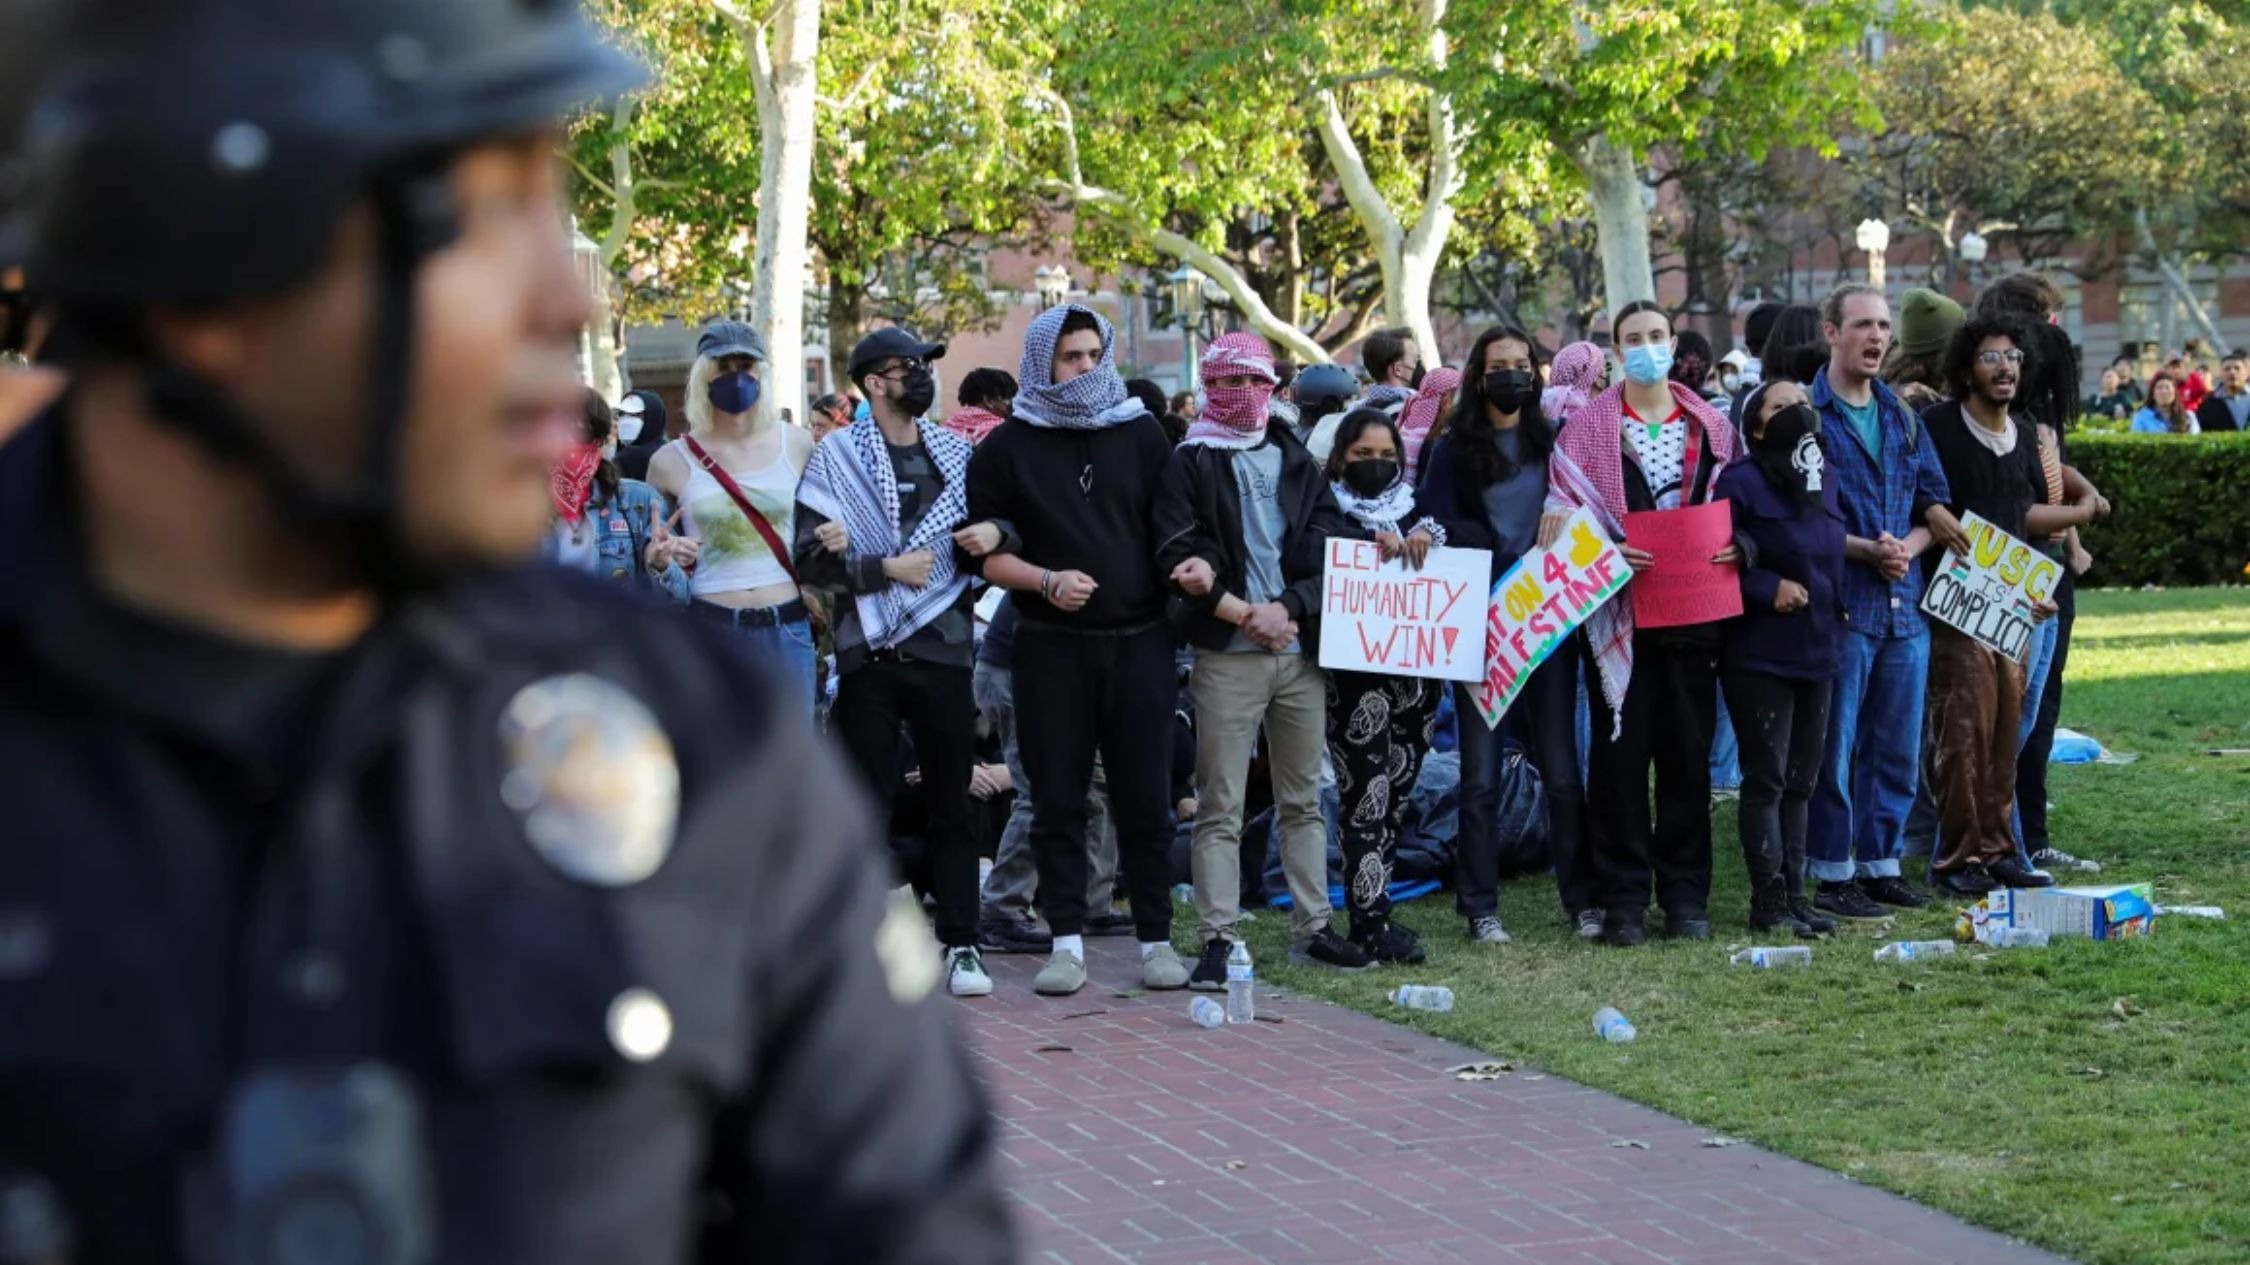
x=735 y=556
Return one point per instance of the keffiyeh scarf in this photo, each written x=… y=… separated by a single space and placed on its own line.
x=850 y=480
x=1570 y=382
x=1091 y=401
x=973 y=423
x=1421 y=413
x=1234 y=417
x=1587 y=471
x=1386 y=397
x=572 y=481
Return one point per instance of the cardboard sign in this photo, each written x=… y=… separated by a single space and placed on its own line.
x=1539 y=602
x=1685 y=586
x=1989 y=593
x=1386 y=617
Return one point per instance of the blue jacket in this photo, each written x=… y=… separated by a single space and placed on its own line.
x=1783 y=540
x=1891 y=497
x=622 y=532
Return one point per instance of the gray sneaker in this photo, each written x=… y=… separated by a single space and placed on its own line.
x=1487 y=930
x=1589 y=924
x=1163 y=970
x=1064 y=974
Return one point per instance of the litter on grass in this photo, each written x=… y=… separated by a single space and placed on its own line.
x=1481 y=1071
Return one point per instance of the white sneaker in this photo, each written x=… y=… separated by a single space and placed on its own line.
x=964 y=974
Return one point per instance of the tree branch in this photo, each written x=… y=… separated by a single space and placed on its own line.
x=586 y=173
x=851 y=98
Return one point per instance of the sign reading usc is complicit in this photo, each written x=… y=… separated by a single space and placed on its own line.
x=1988 y=593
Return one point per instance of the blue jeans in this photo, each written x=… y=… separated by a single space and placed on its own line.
x=788 y=649
x=1867 y=784
x=1726 y=757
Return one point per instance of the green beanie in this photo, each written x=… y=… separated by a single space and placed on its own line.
x=1926 y=319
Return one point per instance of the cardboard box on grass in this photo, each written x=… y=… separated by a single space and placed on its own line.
x=2114 y=912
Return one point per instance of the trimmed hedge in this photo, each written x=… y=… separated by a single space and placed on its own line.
x=2180 y=508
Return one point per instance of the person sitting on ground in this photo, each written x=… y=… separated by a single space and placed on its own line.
x=2164 y=414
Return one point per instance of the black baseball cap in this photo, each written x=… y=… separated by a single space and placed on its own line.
x=731 y=338
x=890 y=341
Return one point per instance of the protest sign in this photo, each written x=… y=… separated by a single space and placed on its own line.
x=1989 y=592
x=1539 y=602
x=1386 y=617
x=1685 y=586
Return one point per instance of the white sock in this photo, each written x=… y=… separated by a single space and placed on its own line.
x=1071 y=944
x=1149 y=950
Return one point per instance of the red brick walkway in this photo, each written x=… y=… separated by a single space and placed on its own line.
x=1130 y=1134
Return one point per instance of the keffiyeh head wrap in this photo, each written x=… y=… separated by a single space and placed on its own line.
x=973 y=423
x=1570 y=382
x=1421 y=413
x=1235 y=417
x=1095 y=400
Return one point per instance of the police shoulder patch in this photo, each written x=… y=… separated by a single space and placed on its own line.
x=593 y=776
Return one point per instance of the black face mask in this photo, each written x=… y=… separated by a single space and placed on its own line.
x=920 y=387
x=1370 y=478
x=1789 y=452
x=1509 y=390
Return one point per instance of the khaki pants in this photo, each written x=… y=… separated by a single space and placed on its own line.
x=1976 y=708
x=1234 y=694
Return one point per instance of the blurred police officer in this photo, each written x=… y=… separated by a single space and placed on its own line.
x=364 y=897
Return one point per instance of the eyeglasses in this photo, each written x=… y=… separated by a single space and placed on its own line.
x=902 y=367
x=1992 y=359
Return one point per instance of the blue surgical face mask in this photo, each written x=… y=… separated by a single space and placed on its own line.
x=1648 y=363
x=733 y=392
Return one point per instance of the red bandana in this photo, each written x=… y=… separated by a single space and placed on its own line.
x=573 y=481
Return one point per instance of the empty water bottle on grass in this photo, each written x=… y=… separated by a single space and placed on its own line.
x=1613 y=1027
x=1242 y=984
x=1766 y=959
x=1913 y=950
x=1207 y=1013
x=1435 y=997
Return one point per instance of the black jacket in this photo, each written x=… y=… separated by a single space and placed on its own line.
x=2213 y=414
x=1199 y=515
x=231 y=873
x=1077 y=500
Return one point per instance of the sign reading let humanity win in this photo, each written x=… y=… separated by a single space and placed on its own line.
x=1386 y=617
x=1539 y=602
x=1988 y=593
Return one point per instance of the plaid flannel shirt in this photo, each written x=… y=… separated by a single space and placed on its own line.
x=1876 y=499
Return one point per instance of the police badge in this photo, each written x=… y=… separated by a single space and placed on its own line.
x=593 y=776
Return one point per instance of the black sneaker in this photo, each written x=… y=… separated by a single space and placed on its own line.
x=1769 y=911
x=1893 y=890
x=1109 y=923
x=1325 y=948
x=1386 y=941
x=2009 y=872
x=1687 y=925
x=1970 y=881
x=1013 y=935
x=1845 y=900
x=1623 y=931
x=1210 y=973
x=1815 y=923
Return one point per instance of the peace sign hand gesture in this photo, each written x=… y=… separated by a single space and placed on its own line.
x=664 y=548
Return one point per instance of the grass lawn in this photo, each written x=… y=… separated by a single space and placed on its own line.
x=2090 y=1098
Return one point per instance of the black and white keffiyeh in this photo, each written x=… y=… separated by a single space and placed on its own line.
x=1387 y=512
x=850 y=480
x=1091 y=401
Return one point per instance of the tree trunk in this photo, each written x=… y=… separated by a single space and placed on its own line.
x=786 y=83
x=846 y=316
x=1613 y=182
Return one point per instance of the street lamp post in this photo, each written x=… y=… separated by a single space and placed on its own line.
x=1874 y=237
x=1973 y=249
x=1053 y=282
x=1187 y=307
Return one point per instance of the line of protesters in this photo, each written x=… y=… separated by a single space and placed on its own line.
x=1122 y=544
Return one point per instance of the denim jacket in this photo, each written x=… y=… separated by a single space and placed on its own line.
x=1890 y=497
x=622 y=532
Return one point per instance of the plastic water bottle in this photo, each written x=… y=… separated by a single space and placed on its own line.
x=1242 y=985
x=1613 y=1027
x=1434 y=997
x=1207 y=1013
x=1913 y=950
x=1766 y=959
x=2020 y=938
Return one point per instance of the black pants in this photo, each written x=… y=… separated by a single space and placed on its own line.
x=2031 y=763
x=1543 y=721
x=1076 y=693
x=932 y=705
x=1670 y=711
x=1782 y=727
x=1378 y=732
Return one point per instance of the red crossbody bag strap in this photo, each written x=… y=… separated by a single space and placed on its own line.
x=765 y=529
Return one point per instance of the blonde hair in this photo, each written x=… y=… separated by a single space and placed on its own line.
x=766 y=412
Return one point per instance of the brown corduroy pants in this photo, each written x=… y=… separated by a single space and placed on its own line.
x=1976 y=708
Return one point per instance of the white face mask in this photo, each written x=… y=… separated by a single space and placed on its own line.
x=609 y=450
x=628 y=427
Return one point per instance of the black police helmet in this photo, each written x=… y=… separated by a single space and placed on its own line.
x=203 y=150
x=1322 y=389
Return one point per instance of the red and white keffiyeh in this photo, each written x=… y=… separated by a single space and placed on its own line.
x=1234 y=417
x=973 y=423
x=1420 y=415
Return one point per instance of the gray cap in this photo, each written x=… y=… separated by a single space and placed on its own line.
x=731 y=338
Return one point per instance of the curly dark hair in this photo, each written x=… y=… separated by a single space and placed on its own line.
x=1348 y=432
x=1471 y=431
x=1961 y=351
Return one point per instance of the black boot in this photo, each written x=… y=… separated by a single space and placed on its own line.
x=1769 y=909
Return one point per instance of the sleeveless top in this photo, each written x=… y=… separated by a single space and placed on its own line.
x=735 y=556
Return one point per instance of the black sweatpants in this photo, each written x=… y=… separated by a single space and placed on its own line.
x=1671 y=707
x=2031 y=763
x=1378 y=732
x=1077 y=693
x=932 y=704
x=1544 y=722
x=1782 y=727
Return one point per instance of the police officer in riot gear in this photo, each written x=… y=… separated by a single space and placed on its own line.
x=365 y=896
